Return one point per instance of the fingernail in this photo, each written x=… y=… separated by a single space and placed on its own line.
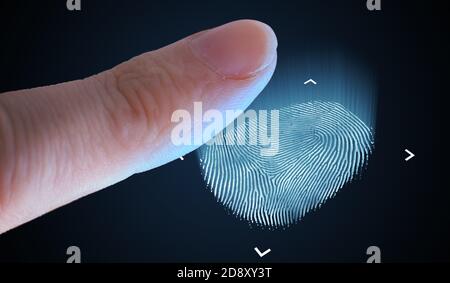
x=238 y=49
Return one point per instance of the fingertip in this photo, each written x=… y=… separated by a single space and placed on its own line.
x=239 y=49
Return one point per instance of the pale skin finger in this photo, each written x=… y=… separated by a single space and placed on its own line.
x=61 y=142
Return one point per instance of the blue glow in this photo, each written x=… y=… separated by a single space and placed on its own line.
x=326 y=133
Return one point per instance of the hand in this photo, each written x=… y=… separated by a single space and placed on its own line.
x=61 y=142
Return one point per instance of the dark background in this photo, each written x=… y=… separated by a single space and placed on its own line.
x=167 y=214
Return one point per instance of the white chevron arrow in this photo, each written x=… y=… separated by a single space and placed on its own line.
x=410 y=155
x=260 y=253
x=310 y=81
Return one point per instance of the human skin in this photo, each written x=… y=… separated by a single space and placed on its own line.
x=61 y=142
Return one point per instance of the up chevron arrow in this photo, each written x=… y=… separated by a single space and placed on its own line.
x=310 y=81
x=410 y=155
x=261 y=254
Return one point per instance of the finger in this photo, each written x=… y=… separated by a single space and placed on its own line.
x=61 y=142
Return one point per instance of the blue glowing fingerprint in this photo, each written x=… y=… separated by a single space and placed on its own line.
x=325 y=138
x=321 y=147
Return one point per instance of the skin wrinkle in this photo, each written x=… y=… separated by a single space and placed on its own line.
x=49 y=155
x=127 y=90
x=61 y=151
x=20 y=125
x=151 y=84
x=94 y=147
x=76 y=142
x=110 y=83
x=80 y=142
x=20 y=131
x=134 y=112
x=169 y=77
x=45 y=153
x=160 y=78
x=7 y=144
x=36 y=139
x=13 y=150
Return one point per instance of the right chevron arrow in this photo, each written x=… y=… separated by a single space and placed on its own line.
x=410 y=155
